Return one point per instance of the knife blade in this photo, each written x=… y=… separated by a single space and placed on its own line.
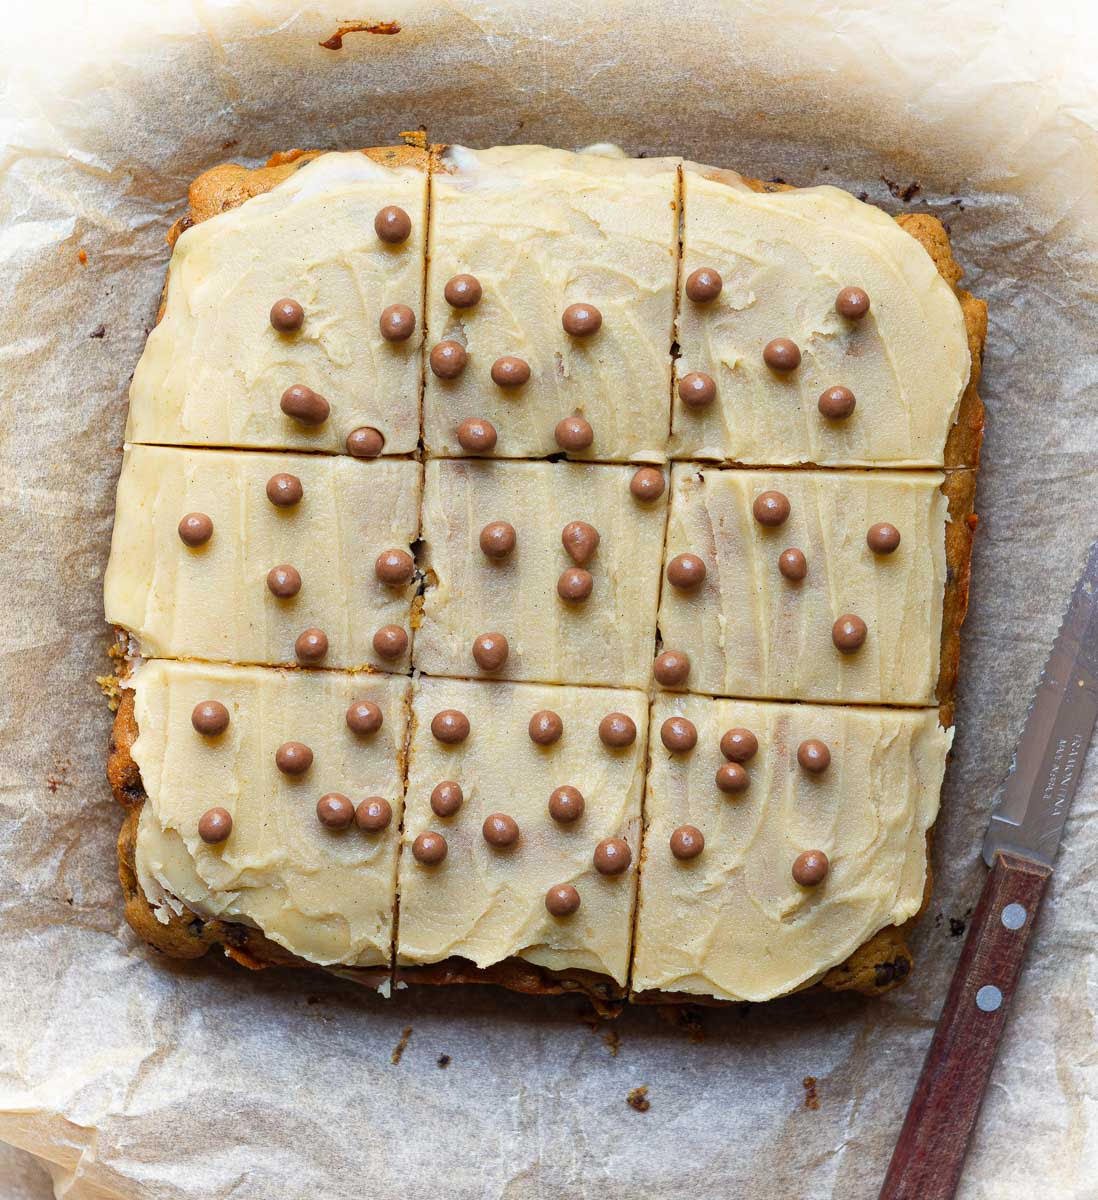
x=1020 y=845
x=1032 y=803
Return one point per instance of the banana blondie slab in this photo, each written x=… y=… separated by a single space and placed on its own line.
x=808 y=366
x=568 y=346
x=548 y=306
x=559 y=562
x=234 y=556
x=522 y=830
x=778 y=838
x=246 y=816
x=282 y=296
x=809 y=585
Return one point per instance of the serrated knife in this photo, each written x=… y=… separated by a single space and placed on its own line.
x=1019 y=847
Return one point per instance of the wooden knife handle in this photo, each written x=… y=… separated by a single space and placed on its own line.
x=930 y=1152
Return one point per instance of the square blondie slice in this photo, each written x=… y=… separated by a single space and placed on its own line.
x=264 y=810
x=521 y=835
x=816 y=329
x=550 y=301
x=541 y=571
x=779 y=839
x=292 y=313
x=251 y=557
x=808 y=585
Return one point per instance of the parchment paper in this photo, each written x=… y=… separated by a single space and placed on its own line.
x=137 y=1077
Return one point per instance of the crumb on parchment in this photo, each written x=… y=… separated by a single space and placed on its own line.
x=684 y=1018
x=905 y=193
x=811 y=1097
x=401 y=1046
x=611 y=1038
x=638 y=1099
x=58 y=777
x=111 y=689
x=335 y=42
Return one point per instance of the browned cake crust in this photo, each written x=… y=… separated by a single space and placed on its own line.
x=518 y=975
x=876 y=966
x=960 y=491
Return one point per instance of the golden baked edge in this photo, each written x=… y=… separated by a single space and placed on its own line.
x=878 y=965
